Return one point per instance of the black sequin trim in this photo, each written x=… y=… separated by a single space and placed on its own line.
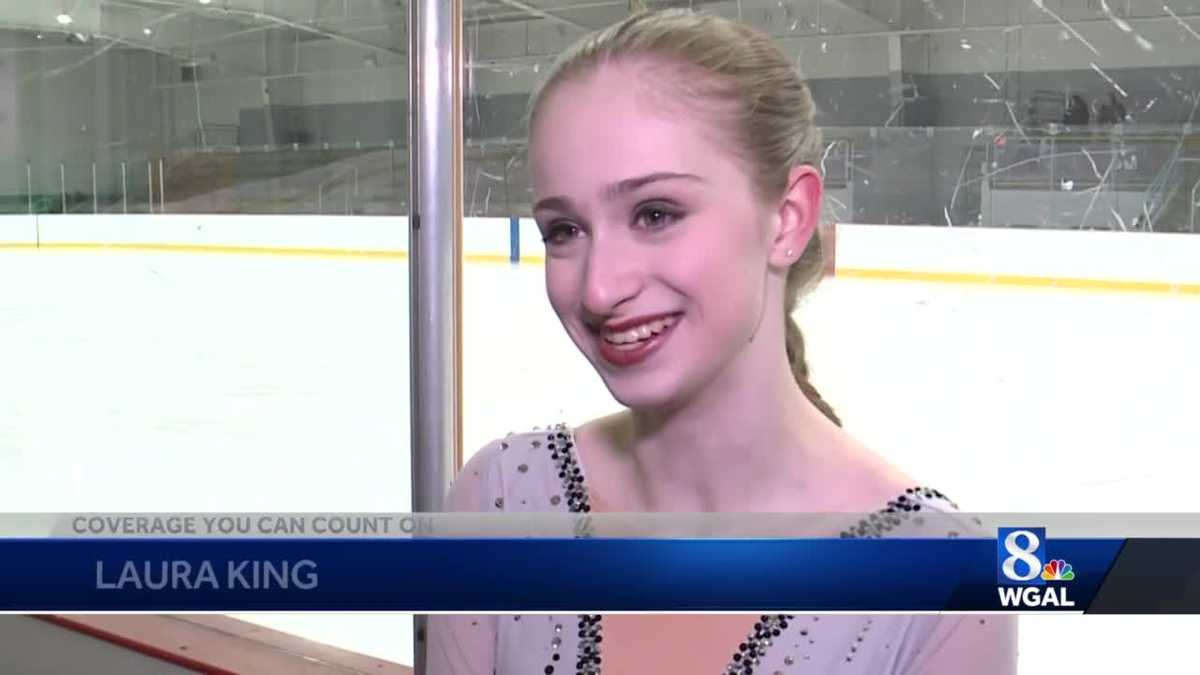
x=560 y=446
x=754 y=648
x=896 y=512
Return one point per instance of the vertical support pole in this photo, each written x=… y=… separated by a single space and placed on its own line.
x=985 y=185
x=95 y=195
x=62 y=184
x=435 y=256
x=29 y=186
x=150 y=183
x=162 y=193
x=124 y=189
x=896 y=77
x=514 y=239
x=1053 y=215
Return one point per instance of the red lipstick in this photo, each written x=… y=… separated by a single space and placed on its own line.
x=630 y=354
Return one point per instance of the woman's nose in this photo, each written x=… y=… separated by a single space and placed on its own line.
x=613 y=276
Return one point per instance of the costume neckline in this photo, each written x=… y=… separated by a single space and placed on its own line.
x=878 y=521
x=560 y=441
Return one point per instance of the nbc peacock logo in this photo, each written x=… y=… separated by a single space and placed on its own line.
x=1058 y=570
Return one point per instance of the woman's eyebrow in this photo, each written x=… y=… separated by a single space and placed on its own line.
x=630 y=184
x=561 y=204
x=609 y=192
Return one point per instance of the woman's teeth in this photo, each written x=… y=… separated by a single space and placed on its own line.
x=641 y=332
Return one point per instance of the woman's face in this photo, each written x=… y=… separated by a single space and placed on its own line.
x=657 y=245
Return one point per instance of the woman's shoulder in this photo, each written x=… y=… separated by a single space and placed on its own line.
x=516 y=472
x=918 y=511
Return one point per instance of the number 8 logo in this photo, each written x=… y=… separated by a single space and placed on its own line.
x=1032 y=564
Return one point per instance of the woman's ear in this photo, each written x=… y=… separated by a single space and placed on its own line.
x=799 y=215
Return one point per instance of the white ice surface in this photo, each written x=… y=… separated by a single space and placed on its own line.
x=178 y=382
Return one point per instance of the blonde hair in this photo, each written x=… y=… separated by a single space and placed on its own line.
x=769 y=107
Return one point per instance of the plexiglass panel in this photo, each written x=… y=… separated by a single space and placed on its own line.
x=997 y=171
x=179 y=330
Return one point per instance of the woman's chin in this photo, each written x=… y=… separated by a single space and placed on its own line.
x=642 y=393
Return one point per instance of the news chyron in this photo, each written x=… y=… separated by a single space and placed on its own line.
x=1027 y=575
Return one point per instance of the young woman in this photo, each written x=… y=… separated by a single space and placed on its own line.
x=675 y=167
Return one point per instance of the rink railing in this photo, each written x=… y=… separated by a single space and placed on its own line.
x=1081 y=259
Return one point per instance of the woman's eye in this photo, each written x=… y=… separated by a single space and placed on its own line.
x=561 y=233
x=655 y=217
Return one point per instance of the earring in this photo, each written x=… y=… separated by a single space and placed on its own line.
x=789 y=253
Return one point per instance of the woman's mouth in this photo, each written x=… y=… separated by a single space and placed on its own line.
x=632 y=342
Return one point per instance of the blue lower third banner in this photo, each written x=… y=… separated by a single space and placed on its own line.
x=1019 y=571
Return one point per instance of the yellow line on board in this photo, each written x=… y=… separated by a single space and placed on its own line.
x=1021 y=280
x=252 y=250
x=222 y=248
x=858 y=273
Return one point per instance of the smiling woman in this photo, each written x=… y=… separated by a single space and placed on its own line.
x=674 y=162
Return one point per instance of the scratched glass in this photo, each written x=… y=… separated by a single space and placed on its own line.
x=1071 y=115
x=195 y=107
x=984 y=114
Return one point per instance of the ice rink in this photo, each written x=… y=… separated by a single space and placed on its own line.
x=201 y=382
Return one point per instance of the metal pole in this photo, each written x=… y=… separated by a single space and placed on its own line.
x=62 y=183
x=435 y=245
x=162 y=193
x=150 y=182
x=29 y=185
x=95 y=196
x=124 y=190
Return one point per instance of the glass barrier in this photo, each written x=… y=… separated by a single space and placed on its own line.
x=139 y=375
x=1001 y=121
x=1141 y=179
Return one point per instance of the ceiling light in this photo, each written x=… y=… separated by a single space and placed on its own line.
x=64 y=18
x=205 y=2
x=147 y=30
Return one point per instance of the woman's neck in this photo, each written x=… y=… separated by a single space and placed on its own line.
x=743 y=444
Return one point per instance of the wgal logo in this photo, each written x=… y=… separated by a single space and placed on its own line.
x=1024 y=568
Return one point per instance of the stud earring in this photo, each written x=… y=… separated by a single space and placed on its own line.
x=789 y=253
